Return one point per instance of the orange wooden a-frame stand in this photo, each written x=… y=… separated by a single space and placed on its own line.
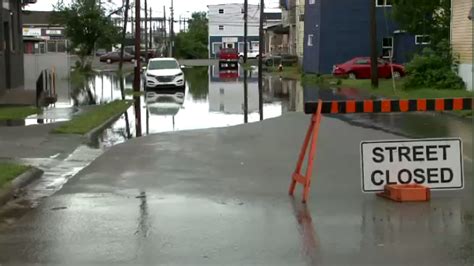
x=311 y=138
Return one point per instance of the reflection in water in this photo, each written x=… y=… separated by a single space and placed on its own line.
x=246 y=98
x=210 y=99
x=308 y=235
x=143 y=228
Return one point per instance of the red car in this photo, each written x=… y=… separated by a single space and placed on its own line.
x=228 y=55
x=359 y=68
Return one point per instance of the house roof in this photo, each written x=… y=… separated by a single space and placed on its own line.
x=272 y=15
x=37 y=17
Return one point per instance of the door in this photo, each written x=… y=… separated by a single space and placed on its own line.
x=6 y=30
x=362 y=68
x=384 y=69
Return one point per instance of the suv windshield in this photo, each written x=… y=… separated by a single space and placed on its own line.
x=163 y=64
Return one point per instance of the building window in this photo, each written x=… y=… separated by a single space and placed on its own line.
x=312 y=2
x=301 y=17
x=221 y=11
x=221 y=91
x=387 y=47
x=216 y=47
x=383 y=3
x=221 y=107
x=6 y=4
x=221 y=27
x=241 y=47
x=310 y=39
x=422 y=39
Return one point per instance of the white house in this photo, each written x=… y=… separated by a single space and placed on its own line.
x=226 y=27
x=461 y=37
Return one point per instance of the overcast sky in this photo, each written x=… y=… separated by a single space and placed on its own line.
x=182 y=7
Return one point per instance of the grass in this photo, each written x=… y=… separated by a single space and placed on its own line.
x=9 y=171
x=288 y=72
x=86 y=122
x=17 y=113
x=134 y=93
x=385 y=87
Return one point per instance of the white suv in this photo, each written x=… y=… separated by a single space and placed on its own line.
x=250 y=54
x=164 y=73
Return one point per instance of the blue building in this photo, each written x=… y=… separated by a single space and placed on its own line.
x=337 y=31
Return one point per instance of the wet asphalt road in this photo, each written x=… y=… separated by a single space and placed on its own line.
x=219 y=196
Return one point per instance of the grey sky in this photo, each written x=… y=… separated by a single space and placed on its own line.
x=182 y=7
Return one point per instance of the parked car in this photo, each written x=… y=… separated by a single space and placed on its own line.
x=143 y=53
x=250 y=54
x=100 y=52
x=284 y=59
x=228 y=54
x=115 y=57
x=164 y=73
x=359 y=68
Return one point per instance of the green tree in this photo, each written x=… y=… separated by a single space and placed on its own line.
x=193 y=44
x=87 y=26
x=426 y=17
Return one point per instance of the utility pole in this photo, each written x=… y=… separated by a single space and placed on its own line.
x=165 y=41
x=172 y=30
x=137 y=78
x=146 y=30
x=124 y=36
x=246 y=10
x=260 y=59
x=150 y=45
x=373 y=45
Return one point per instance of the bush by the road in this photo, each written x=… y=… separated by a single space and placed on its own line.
x=434 y=68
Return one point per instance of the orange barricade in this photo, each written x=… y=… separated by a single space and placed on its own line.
x=317 y=108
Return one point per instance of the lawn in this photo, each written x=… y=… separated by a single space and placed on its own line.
x=86 y=122
x=9 y=171
x=386 y=89
x=288 y=72
x=134 y=93
x=17 y=113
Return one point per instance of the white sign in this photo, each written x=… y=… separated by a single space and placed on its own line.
x=230 y=39
x=36 y=32
x=53 y=32
x=435 y=163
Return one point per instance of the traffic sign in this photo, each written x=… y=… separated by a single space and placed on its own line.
x=435 y=163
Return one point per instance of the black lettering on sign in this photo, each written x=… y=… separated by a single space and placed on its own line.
x=445 y=153
x=419 y=176
x=375 y=182
x=378 y=155
x=404 y=152
x=444 y=175
x=389 y=182
x=432 y=173
x=431 y=150
x=418 y=153
x=407 y=177
x=391 y=150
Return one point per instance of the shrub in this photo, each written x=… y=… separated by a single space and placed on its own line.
x=435 y=67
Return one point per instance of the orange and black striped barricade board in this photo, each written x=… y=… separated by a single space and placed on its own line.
x=318 y=107
x=390 y=106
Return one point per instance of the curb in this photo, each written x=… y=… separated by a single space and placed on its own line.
x=92 y=135
x=18 y=183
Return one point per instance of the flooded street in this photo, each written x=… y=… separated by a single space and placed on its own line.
x=219 y=193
